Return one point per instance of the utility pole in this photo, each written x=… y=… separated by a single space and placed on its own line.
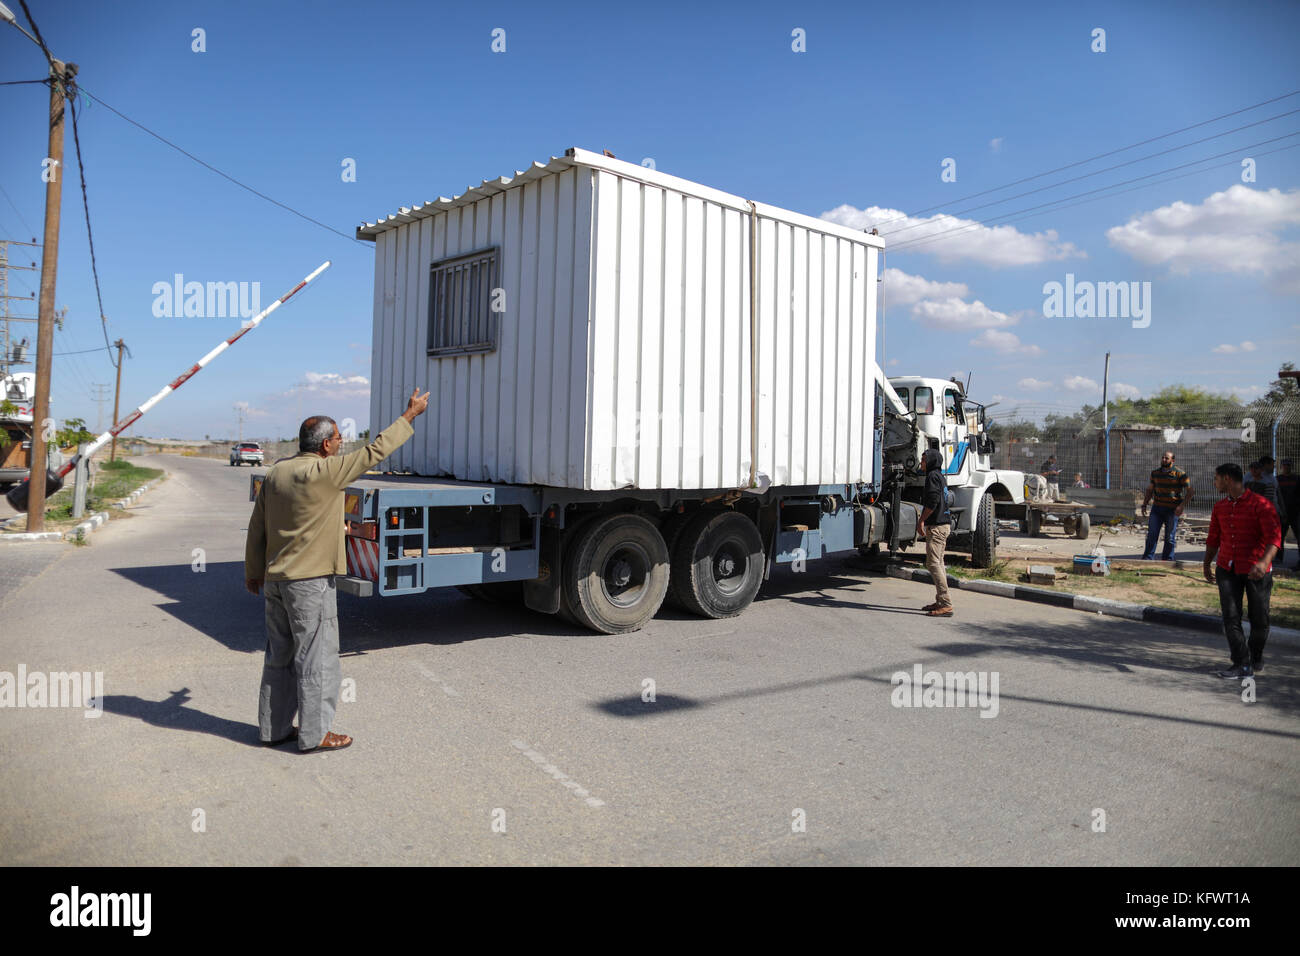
x=1105 y=414
x=242 y=413
x=62 y=76
x=100 y=397
x=117 y=394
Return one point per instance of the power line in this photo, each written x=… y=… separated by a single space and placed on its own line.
x=1098 y=172
x=39 y=39
x=1081 y=162
x=1005 y=218
x=223 y=175
x=80 y=351
x=90 y=238
x=14 y=207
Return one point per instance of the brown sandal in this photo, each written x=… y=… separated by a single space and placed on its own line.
x=332 y=741
x=943 y=610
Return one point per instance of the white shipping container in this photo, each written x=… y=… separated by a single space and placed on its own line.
x=597 y=334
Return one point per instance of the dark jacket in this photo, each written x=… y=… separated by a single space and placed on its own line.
x=934 y=496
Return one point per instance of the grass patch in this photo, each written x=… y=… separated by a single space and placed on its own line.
x=113 y=480
x=1167 y=587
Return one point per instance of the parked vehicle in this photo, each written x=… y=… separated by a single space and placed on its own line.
x=246 y=452
x=17 y=390
x=672 y=393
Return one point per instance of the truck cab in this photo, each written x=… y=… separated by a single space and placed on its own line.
x=948 y=420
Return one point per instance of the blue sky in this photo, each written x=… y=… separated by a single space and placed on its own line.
x=855 y=128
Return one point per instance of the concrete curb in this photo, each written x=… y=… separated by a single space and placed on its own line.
x=98 y=519
x=32 y=536
x=1093 y=605
x=130 y=499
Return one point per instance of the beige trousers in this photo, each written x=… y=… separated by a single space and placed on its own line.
x=936 y=538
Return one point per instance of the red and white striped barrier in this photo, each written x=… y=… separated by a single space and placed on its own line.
x=363 y=558
x=180 y=380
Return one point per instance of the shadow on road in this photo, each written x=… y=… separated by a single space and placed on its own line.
x=173 y=714
x=1147 y=658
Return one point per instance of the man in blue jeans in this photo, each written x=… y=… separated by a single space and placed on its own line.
x=1172 y=491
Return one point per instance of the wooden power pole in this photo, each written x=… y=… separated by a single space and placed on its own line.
x=117 y=395
x=61 y=75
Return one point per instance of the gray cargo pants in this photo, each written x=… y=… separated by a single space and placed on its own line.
x=301 y=671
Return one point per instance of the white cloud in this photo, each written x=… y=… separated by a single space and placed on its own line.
x=1034 y=384
x=904 y=289
x=1234 y=231
x=1243 y=391
x=1078 y=383
x=332 y=385
x=970 y=240
x=1008 y=343
x=250 y=411
x=1120 y=390
x=954 y=313
x=1226 y=349
x=995 y=144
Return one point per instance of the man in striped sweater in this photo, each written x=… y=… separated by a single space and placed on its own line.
x=1244 y=534
x=1172 y=490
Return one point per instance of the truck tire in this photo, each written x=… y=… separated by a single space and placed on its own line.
x=1033 y=522
x=616 y=573
x=718 y=564
x=1082 y=526
x=984 y=542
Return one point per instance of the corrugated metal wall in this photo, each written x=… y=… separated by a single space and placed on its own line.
x=516 y=414
x=670 y=353
x=624 y=352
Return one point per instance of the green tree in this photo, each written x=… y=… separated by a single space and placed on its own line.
x=72 y=433
x=1283 y=389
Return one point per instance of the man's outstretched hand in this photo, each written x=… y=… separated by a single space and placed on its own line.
x=415 y=405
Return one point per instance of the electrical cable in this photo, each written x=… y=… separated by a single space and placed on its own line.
x=90 y=236
x=223 y=175
x=1081 y=162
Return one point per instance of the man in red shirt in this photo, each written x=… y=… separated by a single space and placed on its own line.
x=1245 y=533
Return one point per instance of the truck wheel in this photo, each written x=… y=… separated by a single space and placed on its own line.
x=984 y=543
x=718 y=564
x=616 y=573
x=1082 y=527
x=1033 y=522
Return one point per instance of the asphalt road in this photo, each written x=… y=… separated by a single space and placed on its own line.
x=468 y=715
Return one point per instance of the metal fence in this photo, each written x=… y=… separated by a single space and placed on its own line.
x=1202 y=436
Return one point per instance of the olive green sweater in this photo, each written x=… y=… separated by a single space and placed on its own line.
x=296 y=530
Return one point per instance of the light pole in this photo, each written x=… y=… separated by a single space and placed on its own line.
x=61 y=77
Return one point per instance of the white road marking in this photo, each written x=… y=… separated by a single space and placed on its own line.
x=564 y=779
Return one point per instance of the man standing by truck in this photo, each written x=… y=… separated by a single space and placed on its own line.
x=935 y=523
x=294 y=550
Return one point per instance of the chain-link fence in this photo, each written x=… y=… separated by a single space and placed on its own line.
x=1202 y=435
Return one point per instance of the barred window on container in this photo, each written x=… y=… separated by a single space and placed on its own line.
x=461 y=320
